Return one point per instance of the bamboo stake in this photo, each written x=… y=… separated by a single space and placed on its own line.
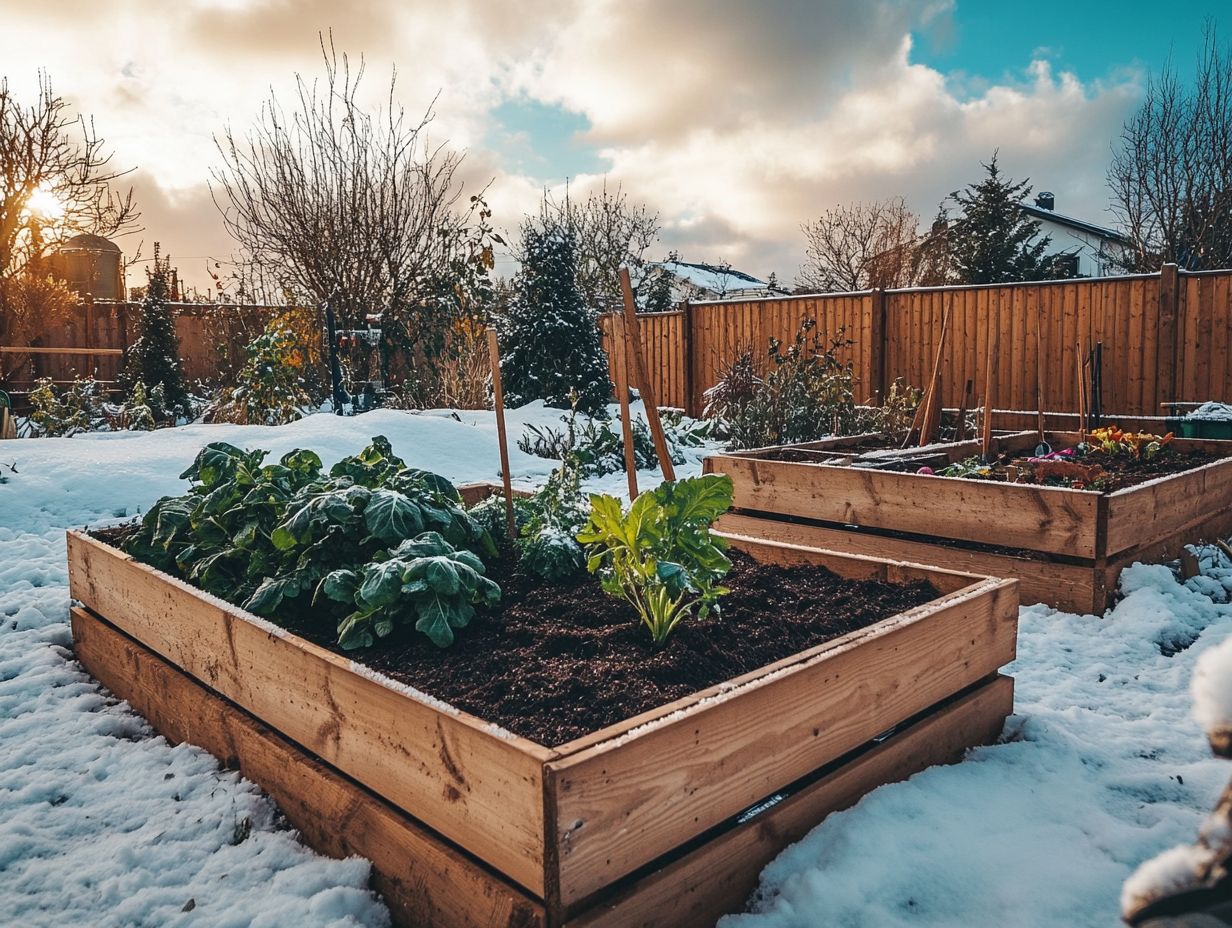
x=986 y=436
x=968 y=394
x=622 y=394
x=633 y=339
x=932 y=411
x=1039 y=378
x=498 y=403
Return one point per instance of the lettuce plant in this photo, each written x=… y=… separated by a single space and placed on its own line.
x=660 y=556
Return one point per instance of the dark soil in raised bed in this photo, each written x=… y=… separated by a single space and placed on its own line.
x=1121 y=472
x=553 y=663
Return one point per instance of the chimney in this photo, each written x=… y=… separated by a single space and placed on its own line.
x=1045 y=200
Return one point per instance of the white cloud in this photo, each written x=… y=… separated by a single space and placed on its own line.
x=737 y=120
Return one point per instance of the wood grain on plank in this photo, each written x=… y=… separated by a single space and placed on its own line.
x=423 y=880
x=473 y=784
x=718 y=878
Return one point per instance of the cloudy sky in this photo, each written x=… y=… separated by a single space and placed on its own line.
x=736 y=120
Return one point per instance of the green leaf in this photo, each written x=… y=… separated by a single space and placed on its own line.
x=381 y=584
x=339 y=585
x=392 y=517
x=355 y=631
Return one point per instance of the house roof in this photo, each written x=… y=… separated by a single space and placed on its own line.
x=712 y=277
x=1080 y=224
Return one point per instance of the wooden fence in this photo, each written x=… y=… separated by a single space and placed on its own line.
x=1165 y=337
x=212 y=338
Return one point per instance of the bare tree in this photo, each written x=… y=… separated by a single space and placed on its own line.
x=47 y=153
x=860 y=245
x=1171 y=172
x=55 y=182
x=611 y=232
x=332 y=201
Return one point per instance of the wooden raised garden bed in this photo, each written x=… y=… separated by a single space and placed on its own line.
x=1066 y=546
x=664 y=819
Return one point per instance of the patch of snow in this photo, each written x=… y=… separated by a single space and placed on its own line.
x=1212 y=412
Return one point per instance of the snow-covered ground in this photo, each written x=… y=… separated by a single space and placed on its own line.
x=103 y=823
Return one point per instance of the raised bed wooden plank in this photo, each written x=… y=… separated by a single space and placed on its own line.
x=474 y=784
x=617 y=805
x=1011 y=515
x=718 y=877
x=1072 y=587
x=423 y=880
x=1153 y=511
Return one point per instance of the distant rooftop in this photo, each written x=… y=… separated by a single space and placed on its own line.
x=87 y=242
x=1039 y=211
x=712 y=277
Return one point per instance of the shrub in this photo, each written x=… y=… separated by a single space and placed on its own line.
x=896 y=413
x=806 y=393
x=270 y=388
x=154 y=356
x=660 y=556
x=78 y=408
x=550 y=340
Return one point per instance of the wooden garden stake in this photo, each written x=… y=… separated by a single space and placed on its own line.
x=986 y=436
x=633 y=340
x=498 y=403
x=622 y=392
x=968 y=392
x=932 y=410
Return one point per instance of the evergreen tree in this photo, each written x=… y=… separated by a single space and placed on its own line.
x=993 y=241
x=154 y=357
x=550 y=339
x=658 y=292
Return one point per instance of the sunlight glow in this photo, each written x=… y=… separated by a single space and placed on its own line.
x=44 y=204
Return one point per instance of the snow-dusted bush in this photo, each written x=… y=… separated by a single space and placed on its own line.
x=270 y=388
x=154 y=357
x=550 y=347
x=805 y=393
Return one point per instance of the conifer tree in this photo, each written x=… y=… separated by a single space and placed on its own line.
x=154 y=357
x=550 y=339
x=992 y=240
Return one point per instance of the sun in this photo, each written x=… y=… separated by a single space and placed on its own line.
x=45 y=205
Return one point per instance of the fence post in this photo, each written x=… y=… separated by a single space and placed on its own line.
x=691 y=405
x=1169 y=343
x=877 y=346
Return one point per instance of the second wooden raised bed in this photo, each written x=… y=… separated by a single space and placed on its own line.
x=664 y=819
x=1067 y=547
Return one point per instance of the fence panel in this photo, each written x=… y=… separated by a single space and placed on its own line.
x=1161 y=341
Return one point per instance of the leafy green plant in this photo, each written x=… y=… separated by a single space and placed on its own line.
x=264 y=535
x=424 y=578
x=660 y=556
x=598 y=447
x=546 y=524
x=270 y=387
